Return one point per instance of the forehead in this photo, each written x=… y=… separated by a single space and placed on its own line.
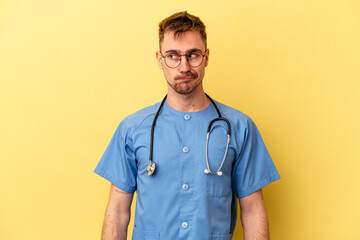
x=182 y=43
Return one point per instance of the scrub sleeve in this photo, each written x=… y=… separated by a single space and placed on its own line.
x=253 y=167
x=118 y=164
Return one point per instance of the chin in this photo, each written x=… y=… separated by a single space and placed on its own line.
x=186 y=89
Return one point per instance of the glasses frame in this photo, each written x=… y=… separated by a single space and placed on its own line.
x=187 y=59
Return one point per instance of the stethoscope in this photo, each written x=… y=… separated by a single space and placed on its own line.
x=151 y=167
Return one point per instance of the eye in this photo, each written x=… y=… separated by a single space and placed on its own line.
x=194 y=55
x=172 y=56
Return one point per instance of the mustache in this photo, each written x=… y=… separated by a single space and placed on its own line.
x=186 y=75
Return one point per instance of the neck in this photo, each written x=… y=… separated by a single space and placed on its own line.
x=192 y=102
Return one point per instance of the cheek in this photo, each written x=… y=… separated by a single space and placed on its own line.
x=168 y=75
x=201 y=73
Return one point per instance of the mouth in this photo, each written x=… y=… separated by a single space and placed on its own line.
x=186 y=77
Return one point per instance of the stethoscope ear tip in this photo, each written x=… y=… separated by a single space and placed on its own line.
x=207 y=171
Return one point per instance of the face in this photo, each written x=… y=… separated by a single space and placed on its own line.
x=184 y=79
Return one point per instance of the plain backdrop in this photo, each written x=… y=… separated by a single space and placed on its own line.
x=71 y=70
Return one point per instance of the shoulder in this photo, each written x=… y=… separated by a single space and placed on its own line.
x=136 y=119
x=241 y=123
x=234 y=116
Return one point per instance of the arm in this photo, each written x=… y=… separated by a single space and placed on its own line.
x=117 y=215
x=254 y=217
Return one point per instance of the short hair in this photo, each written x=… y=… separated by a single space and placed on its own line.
x=180 y=23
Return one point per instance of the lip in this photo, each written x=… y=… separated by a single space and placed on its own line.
x=185 y=79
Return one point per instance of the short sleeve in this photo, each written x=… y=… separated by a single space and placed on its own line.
x=253 y=168
x=118 y=163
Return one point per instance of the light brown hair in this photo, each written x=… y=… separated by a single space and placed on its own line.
x=179 y=23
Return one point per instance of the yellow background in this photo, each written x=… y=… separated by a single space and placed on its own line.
x=71 y=70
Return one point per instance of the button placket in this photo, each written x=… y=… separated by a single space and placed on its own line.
x=187 y=175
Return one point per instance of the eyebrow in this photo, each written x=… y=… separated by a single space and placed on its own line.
x=187 y=51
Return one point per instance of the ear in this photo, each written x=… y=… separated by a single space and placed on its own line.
x=207 y=52
x=159 y=59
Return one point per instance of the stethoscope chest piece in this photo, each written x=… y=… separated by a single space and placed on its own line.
x=151 y=168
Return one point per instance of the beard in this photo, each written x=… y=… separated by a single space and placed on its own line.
x=188 y=86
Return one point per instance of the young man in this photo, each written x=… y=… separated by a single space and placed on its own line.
x=203 y=155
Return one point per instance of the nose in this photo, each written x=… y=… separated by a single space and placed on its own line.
x=184 y=65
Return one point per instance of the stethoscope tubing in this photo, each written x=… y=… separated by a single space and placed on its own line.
x=152 y=130
x=151 y=167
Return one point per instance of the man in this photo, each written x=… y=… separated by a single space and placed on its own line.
x=189 y=186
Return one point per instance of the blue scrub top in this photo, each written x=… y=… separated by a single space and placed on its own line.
x=180 y=201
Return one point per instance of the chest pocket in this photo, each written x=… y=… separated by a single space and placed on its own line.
x=215 y=185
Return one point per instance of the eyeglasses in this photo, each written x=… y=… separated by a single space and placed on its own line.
x=194 y=59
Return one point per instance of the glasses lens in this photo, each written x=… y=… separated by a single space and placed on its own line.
x=195 y=59
x=172 y=60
